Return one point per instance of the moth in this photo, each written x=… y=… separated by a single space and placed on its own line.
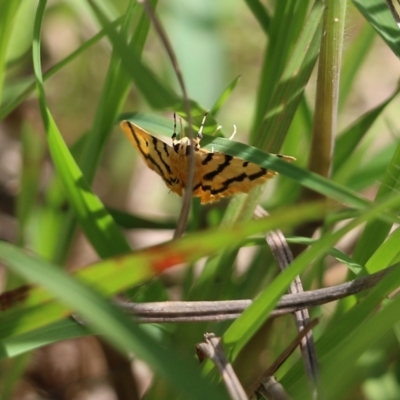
x=216 y=174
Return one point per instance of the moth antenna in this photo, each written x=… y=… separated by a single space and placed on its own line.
x=174 y=134
x=181 y=132
x=200 y=133
x=234 y=132
x=219 y=127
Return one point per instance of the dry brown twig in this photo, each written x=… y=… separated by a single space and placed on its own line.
x=212 y=349
x=187 y=196
x=281 y=251
x=196 y=311
x=264 y=384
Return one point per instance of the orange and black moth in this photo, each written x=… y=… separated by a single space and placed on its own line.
x=216 y=174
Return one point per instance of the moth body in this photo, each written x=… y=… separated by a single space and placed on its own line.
x=216 y=174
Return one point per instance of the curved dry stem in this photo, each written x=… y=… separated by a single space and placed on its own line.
x=195 y=311
x=187 y=196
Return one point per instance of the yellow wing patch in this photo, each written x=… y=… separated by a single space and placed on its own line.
x=217 y=175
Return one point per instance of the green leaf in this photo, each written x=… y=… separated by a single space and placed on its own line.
x=351 y=137
x=8 y=12
x=281 y=106
x=115 y=275
x=240 y=332
x=377 y=13
x=116 y=327
x=224 y=96
x=376 y=232
x=98 y=225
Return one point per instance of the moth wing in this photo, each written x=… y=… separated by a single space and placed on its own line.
x=220 y=175
x=159 y=156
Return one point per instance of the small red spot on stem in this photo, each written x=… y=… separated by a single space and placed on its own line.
x=162 y=257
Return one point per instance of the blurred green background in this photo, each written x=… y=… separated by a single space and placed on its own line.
x=215 y=43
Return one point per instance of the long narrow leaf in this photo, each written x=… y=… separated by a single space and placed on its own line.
x=114 y=325
x=98 y=225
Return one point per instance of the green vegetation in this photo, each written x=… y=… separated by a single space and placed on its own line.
x=81 y=214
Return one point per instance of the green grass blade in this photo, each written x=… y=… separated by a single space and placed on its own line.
x=28 y=309
x=377 y=13
x=8 y=12
x=290 y=87
x=60 y=330
x=341 y=345
x=240 y=332
x=386 y=254
x=376 y=232
x=156 y=94
x=224 y=96
x=260 y=13
x=305 y=178
x=98 y=225
x=23 y=91
x=351 y=137
x=154 y=91
x=116 y=327
x=285 y=26
x=130 y=221
x=113 y=95
x=32 y=156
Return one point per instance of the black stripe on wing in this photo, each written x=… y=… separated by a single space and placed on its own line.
x=221 y=167
x=147 y=156
x=228 y=182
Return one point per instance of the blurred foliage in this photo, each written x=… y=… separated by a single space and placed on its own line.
x=312 y=79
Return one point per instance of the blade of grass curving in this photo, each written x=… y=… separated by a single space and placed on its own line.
x=344 y=360
x=377 y=13
x=98 y=225
x=289 y=90
x=29 y=86
x=32 y=153
x=113 y=95
x=53 y=215
x=260 y=14
x=131 y=221
x=306 y=178
x=351 y=137
x=376 y=232
x=224 y=96
x=285 y=26
x=60 y=330
x=334 y=252
x=240 y=332
x=115 y=326
x=371 y=171
x=348 y=338
x=29 y=308
x=9 y=10
x=156 y=94
x=386 y=254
